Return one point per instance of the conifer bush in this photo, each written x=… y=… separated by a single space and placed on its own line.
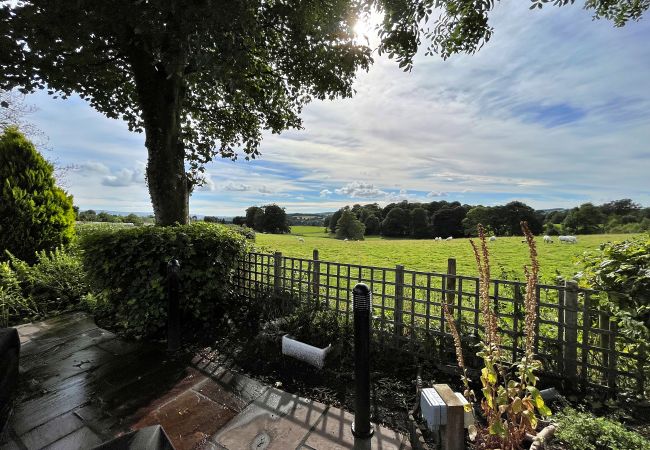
x=35 y=214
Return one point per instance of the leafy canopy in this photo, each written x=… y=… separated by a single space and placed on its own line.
x=245 y=66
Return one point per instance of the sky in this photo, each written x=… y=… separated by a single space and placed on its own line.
x=554 y=111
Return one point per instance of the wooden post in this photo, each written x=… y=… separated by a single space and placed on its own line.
x=453 y=432
x=603 y=325
x=611 y=367
x=571 y=330
x=451 y=283
x=316 y=279
x=399 y=300
x=517 y=300
x=277 y=269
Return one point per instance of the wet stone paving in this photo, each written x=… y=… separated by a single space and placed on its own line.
x=82 y=385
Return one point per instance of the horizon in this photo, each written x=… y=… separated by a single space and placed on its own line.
x=569 y=90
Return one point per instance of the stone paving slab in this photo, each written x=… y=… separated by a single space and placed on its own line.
x=334 y=432
x=82 y=385
x=275 y=421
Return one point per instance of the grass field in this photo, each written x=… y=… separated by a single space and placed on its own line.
x=508 y=254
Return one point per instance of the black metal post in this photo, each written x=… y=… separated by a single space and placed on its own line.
x=361 y=427
x=173 y=309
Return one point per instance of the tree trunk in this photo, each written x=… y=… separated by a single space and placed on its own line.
x=160 y=97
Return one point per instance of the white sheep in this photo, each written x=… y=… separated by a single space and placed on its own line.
x=438 y=238
x=493 y=238
x=449 y=238
x=568 y=239
x=345 y=240
x=301 y=240
x=548 y=239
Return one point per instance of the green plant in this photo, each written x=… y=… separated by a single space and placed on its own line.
x=127 y=268
x=509 y=403
x=55 y=283
x=623 y=271
x=349 y=227
x=316 y=326
x=35 y=214
x=583 y=431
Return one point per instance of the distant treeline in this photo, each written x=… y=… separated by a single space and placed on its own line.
x=93 y=216
x=444 y=219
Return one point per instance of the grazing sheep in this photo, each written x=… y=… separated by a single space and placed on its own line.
x=568 y=239
x=548 y=239
x=438 y=238
x=345 y=240
x=493 y=238
x=449 y=238
x=301 y=240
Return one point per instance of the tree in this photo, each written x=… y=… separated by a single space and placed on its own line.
x=396 y=223
x=620 y=207
x=250 y=216
x=275 y=220
x=202 y=79
x=448 y=222
x=133 y=218
x=349 y=227
x=239 y=220
x=335 y=218
x=587 y=219
x=479 y=215
x=373 y=226
x=420 y=223
x=35 y=214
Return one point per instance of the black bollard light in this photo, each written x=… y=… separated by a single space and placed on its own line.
x=173 y=309
x=361 y=427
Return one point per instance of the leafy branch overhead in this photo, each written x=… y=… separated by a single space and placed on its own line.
x=204 y=79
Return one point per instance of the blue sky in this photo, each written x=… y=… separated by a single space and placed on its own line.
x=553 y=111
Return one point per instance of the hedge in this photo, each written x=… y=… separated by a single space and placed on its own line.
x=127 y=271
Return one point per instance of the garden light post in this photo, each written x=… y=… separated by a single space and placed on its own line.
x=361 y=427
x=173 y=313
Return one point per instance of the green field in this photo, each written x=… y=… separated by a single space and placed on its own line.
x=508 y=254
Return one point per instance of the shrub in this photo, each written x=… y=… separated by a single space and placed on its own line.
x=623 y=270
x=35 y=214
x=583 y=431
x=55 y=283
x=127 y=269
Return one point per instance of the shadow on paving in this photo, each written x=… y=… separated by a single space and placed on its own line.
x=82 y=385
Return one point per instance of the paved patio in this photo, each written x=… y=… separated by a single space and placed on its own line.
x=82 y=385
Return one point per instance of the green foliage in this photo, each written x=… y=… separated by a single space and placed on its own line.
x=396 y=223
x=583 y=431
x=127 y=268
x=349 y=227
x=35 y=214
x=587 y=219
x=420 y=223
x=319 y=327
x=55 y=283
x=373 y=226
x=267 y=219
x=623 y=270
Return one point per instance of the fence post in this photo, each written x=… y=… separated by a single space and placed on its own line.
x=451 y=283
x=399 y=300
x=641 y=361
x=571 y=330
x=607 y=329
x=316 y=279
x=277 y=268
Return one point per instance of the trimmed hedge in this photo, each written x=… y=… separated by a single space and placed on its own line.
x=35 y=214
x=127 y=270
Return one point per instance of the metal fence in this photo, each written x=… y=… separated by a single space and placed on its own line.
x=575 y=340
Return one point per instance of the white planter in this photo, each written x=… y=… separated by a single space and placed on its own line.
x=305 y=352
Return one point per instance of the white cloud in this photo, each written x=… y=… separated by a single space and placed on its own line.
x=433 y=194
x=124 y=177
x=325 y=193
x=359 y=189
x=236 y=187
